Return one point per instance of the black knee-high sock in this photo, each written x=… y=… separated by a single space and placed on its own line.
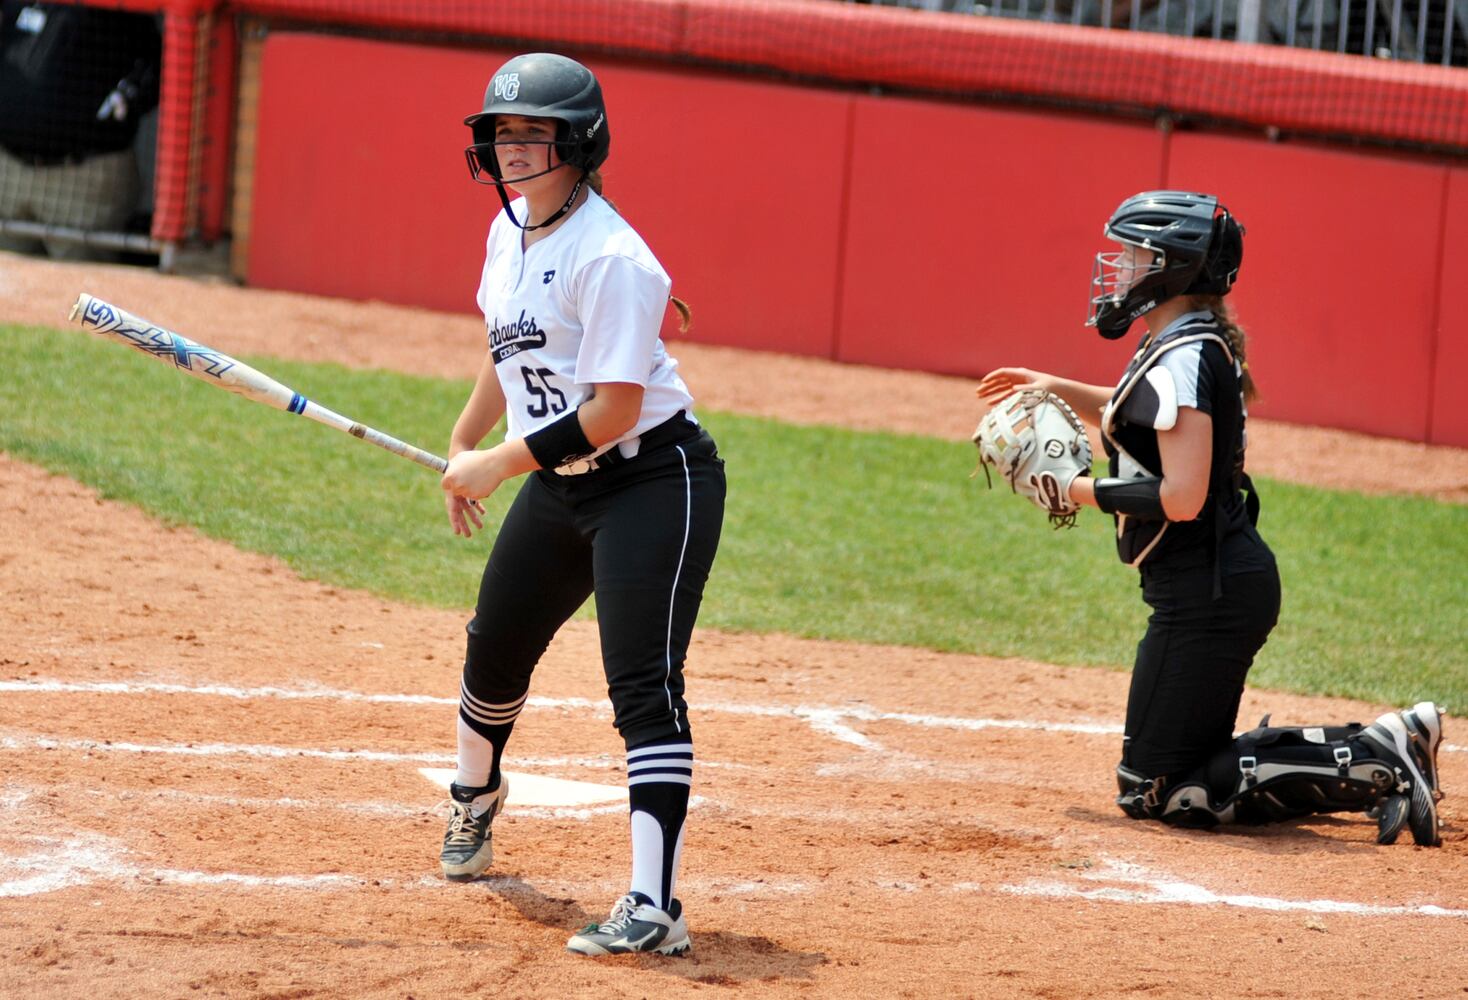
x=659 y=776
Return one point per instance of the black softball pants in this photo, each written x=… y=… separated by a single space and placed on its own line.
x=1191 y=664
x=641 y=536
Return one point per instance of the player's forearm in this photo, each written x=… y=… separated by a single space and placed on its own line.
x=1087 y=400
x=483 y=409
x=473 y=426
x=513 y=458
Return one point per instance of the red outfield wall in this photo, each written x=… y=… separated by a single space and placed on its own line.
x=898 y=232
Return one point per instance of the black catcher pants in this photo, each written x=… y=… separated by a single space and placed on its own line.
x=1191 y=663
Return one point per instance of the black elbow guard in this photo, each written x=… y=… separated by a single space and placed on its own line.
x=560 y=441
x=1140 y=498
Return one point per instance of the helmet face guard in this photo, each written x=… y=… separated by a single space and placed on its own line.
x=1197 y=247
x=1113 y=278
x=484 y=164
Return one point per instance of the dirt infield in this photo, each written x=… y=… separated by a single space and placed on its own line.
x=211 y=781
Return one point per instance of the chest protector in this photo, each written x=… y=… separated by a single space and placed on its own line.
x=1146 y=402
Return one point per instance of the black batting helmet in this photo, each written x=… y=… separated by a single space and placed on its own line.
x=543 y=85
x=1197 y=247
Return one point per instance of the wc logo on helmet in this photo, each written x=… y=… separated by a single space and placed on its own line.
x=507 y=86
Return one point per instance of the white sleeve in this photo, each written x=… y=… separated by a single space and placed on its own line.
x=1184 y=365
x=621 y=304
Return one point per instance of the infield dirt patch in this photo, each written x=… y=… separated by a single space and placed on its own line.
x=211 y=782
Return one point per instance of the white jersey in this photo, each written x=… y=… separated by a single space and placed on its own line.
x=581 y=306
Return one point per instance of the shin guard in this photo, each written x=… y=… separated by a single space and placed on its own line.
x=1267 y=775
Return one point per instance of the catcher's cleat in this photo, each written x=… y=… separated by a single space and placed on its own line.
x=635 y=925
x=1410 y=740
x=1425 y=725
x=467 y=845
x=1391 y=815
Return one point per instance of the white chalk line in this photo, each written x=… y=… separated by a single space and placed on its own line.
x=30 y=742
x=821 y=718
x=1163 y=890
x=12 y=796
x=829 y=720
x=84 y=862
x=52 y=873
x=79 y=862
x=891 y=765
x=371 y=810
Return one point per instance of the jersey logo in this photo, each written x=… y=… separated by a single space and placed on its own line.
x=548 y=276
x=509 y=338
x=507 y=86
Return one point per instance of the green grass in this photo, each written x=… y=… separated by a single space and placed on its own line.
x=829 y=533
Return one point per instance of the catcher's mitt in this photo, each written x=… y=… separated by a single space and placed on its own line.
x=1037 y=443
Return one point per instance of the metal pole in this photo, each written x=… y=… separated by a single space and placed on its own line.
x=1448 y=32
x=134 y=242
x=1248 y=26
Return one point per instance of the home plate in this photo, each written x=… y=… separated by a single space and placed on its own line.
x=538 y=790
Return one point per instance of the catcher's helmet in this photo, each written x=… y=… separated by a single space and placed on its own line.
x=543 y=85
x=1196 y=244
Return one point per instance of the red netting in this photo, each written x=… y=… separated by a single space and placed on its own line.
x=1320 y=93
x=1256 y=85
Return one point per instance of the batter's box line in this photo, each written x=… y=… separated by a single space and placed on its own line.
x=1165 y=890
x=827 y=719
x=82 y=862
x=830 y=720
x=86 y=862
x=26 y=742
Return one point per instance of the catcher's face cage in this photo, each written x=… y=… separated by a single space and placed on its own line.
x=1123 y=288
x=1182 y=227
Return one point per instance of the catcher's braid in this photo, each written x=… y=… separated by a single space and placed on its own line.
x=1237 y=341
x=1036 y=442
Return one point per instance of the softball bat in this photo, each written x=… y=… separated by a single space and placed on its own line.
x=222 y=371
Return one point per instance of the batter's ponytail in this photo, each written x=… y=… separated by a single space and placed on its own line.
x=685 y=314
x=1235 y=334
x=593 y=181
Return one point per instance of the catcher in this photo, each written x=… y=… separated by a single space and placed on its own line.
x=1173 y=430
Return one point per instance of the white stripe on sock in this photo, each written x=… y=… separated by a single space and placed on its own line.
x=509 y=710
x=670 y=779
x=659 y=749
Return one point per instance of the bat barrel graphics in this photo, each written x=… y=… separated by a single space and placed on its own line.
x=219 y=369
